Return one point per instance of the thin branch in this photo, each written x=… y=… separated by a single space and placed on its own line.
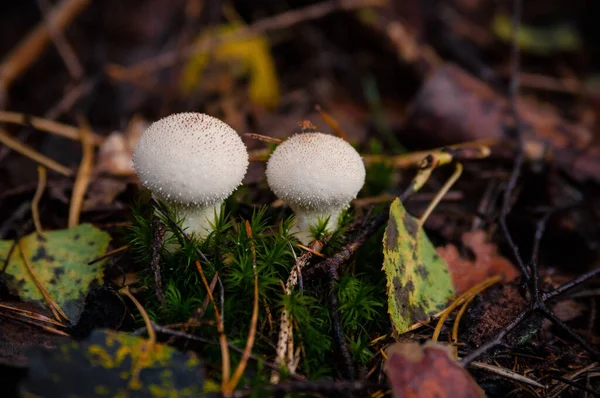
x=35 y=203
x=60 y=42
x=32 y=154
x=84 y=173
x=29 y=49
x=513 y=93
x=277 y=22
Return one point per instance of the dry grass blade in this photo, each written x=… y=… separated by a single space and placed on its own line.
x=32 y=315
x=560 y=387
x=414 y=159
x=308 y=249
x=60 y=42
x=507 y=374
x=226 y=366
x=53 y=305
x=84 y=173
x=151 y=334
x=32 y=154
x=332 y=123
x=46 y=125
x=135 y=374
x=109 y=254
x=475 y=290
x=30 y=48
x=239 y=371
x=34 y=323
x=442 y=192
x=459 y=316
x=35 y=203
x=263 y=138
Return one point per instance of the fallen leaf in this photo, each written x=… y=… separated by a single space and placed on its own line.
x=467 y=273
x=418 y=280
x=465 y=109
x=416 y=371
x=252 y=52
x=103 y=366
x=60 y=261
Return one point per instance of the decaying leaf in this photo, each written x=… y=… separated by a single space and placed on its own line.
x=104 y=365
x=466 y=109
x=427 y=371
x=253 y=53
x=467 y=273
x=60 y=262
x=418 y=280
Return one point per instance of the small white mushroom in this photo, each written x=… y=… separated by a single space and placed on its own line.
x=192 y=162
x=317 y=175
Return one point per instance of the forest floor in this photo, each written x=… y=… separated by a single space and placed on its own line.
x=467 y=265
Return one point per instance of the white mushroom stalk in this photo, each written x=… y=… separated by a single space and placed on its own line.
x=317 y=175
x=192 y=162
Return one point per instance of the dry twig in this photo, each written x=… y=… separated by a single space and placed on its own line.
x=53 y=305
x=226 y=367
x=239 y=371
x=32 y=154
x=47 y=125
x=35 y=203
x=277 y=22
x=30 y=48
x=82 y=180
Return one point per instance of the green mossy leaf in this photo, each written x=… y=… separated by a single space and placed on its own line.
x=60 y=261
x=103 y=366
x=419 y=283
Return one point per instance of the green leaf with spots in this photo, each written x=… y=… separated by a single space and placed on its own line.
x=419 y=283
x=60 y=260
x=112 y=364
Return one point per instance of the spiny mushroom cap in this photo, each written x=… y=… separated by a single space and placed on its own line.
x=315 y=171
x=190 y=159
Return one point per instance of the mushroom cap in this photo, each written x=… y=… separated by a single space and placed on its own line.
x=315 y=171
x=190 y=159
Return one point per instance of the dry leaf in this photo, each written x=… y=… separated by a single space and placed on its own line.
x=453 y=106
x=427 y=371
x=467 y=273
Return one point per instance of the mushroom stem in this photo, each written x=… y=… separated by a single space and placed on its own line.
x=197 y=220
x=308 y=218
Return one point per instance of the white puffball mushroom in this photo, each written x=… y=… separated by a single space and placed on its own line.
x=317 y=175
x=192 y=162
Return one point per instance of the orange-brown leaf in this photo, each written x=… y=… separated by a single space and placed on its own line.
x=427 y=371
x=466 y=273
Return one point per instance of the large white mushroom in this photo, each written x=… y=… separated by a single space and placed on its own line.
x=192 y=162
x=317 y=175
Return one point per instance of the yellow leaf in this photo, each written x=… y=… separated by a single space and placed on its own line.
x=252 y=53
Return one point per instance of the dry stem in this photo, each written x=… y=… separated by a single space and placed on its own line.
x=32 y=154
x=30 y=48
x=35 y=203
x=82 y=180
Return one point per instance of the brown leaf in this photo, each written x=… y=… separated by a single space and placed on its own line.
x=467 y=273
x=427 y=371
x=453 y=106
